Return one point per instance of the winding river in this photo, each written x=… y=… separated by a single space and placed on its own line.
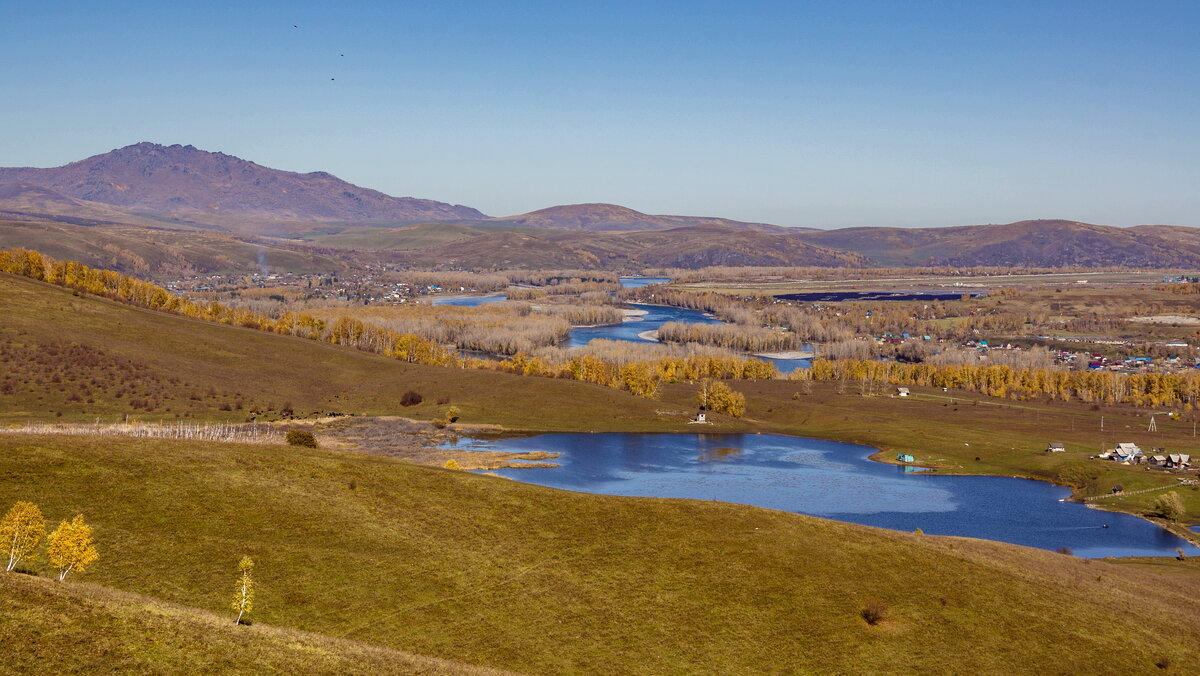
x=654 y=317
x=836 y=481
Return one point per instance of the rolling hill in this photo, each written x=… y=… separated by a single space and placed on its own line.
x=602 y=217
x=128 y=633
x=1036 y=243
x=183 y=179
x=686 y=247
x=490 y=571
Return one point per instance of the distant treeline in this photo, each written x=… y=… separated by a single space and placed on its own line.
x=744 y=338
x=776 y=273
x=1149 y=389
x=586 y=315
x=641 y=378
x=565 y=288
x=504 y=328
x=500 y=280
x=450 y=280
x=837 y=322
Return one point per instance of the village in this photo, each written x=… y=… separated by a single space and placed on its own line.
x=371 y=285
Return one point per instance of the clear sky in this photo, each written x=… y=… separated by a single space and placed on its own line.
x=825 y=114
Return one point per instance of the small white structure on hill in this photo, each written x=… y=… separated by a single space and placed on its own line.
x=1056 y=447
x=700 y=419
x=902 y=391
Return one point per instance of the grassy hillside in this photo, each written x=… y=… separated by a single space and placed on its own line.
x=81 y=628
x=143 y=251
x=173 y=366
x=490 y=571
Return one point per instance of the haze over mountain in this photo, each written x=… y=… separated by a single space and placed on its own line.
x=172 y=179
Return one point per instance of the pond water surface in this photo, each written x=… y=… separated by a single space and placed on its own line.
x=835 y=481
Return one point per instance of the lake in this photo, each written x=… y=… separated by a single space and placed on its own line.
x=836 y=481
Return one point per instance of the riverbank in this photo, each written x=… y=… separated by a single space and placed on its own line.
x=794 y=354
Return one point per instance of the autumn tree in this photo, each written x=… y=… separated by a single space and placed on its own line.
x=451 y=415
x=70 y=547
x=243 y=595
x=715 y=395
x=1170 y=506
x=21 y=531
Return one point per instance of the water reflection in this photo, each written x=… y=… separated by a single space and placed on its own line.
x=836 y=481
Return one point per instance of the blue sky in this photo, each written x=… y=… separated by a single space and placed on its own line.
x=828 y=114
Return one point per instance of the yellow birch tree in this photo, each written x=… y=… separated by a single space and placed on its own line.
x=70 y=547
x=21 y=531
x=243 y=595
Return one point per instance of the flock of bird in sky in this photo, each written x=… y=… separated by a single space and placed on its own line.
x=297 y=26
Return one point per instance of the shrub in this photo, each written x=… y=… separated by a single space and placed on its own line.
x=301 y=438
x=411 y=398
x=874 y=612
x=1065 y=551
x=452 y=464
x=442 y=401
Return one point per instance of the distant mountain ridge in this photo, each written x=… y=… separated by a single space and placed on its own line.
x=1033 y=243
x=177 y=178
x=686 y=247
x=595 y=217
x=182 y=188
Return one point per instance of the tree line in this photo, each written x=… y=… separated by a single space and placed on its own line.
x=636 y=377
x=1143 y=389
x=744 y=338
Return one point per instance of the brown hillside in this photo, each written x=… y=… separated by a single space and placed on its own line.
x=602 y=217
x=173 y=179
x=688 y=247
x=1036 y=243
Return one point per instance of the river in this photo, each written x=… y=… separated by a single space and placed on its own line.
x=656 y=316
x=836 y=481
